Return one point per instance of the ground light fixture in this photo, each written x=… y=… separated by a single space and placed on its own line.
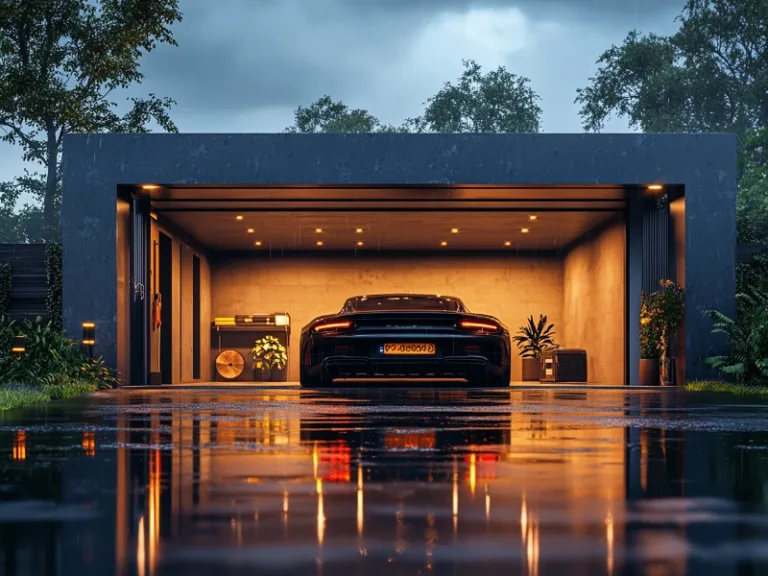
x=19 y=344
x=89 y=333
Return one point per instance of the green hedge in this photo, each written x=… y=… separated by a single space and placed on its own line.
x=53 y=261
x=6 y=281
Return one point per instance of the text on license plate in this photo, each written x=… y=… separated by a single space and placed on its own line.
x=408 y=349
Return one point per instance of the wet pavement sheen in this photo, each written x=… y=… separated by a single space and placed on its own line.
x=532 y=482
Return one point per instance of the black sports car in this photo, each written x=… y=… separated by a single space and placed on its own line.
x=405 y=338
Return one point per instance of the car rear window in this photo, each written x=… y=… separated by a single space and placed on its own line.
x=371 y=303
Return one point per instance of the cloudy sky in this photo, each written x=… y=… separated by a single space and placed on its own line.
x=245 y=65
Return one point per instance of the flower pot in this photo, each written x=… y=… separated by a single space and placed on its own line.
x=649 y=372
x=667 y=372
x=531 y=370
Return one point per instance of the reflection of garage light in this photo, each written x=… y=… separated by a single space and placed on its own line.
x=507 y=243
x=359 y=243
x=239 y=217
x=655 y=187
x=525 y=230
x=454 y=230
x=250 y=230
x=359 y=230
x=532 y=217
x=257 y=243
x=443 y=243
x=320 y=243
x=318 y=230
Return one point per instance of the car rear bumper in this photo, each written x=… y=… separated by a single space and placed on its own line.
x=361 y=370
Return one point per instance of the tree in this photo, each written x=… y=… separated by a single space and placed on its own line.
x=24 y=225
x=497 y=101
x=59 y=62
x=325 y=115
x=712 y=75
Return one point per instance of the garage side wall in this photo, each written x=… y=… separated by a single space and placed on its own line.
x=508 y=287
x=594 y=302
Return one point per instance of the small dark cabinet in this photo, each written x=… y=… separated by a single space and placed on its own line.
x=563 y=365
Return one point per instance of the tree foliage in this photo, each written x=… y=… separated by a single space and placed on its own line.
x=24 y=225
x=60 y=60
x=497 y=101
x=712 y=75
x=326 y=116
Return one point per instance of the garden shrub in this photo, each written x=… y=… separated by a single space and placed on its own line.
x=51 y=359
x=6 y=284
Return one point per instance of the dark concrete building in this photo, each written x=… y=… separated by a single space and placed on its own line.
x=516 y=225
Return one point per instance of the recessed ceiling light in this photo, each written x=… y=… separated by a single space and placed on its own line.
x=443 y=243
x=525 y=230
x=454 y=230
x=507 y=243
x=359 y=243
x=359 y=230
x=532 y=217
x=251 y=230
x=239 y=217
x=655 y=187
x=318 y=230
x=257 y=243
x=150 y=187
x=320 y=243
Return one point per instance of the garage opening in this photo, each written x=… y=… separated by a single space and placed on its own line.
x=222 y=267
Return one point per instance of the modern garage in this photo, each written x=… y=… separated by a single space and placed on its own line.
x=223 y=240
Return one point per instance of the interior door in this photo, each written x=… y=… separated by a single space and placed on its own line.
x=140 y=326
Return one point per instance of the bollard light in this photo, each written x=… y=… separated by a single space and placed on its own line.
x=89 y=333
x=19 y=344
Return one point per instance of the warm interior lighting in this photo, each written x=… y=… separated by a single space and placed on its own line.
x=257 y=243
x=507 y=243
x=251 y=230
x=525 y=230
x=332 y=326
x=533 y=217
x=443 y=243
x=320 y=243
x=318 y=230
x=454 y=230
x=478 y=325
x=655 y=187
x=359 y=230
x=239 y=217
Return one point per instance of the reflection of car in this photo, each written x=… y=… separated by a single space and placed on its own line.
x=412 y=338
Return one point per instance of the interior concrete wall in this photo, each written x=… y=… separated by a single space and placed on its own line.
x=506 y=286
x=594 y=302
x=677 y=237
x=181 y=302
x=123 y=241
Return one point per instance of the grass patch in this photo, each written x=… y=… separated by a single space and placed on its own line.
x=719 y=386
x=18 y=396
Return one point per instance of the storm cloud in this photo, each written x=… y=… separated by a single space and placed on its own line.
x=245 y=65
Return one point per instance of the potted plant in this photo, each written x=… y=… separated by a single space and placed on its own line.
x=670 y=307
x=268 y=354
x=649 y=341
x=531 y=340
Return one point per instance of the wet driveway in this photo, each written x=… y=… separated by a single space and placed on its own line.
x=530 y=482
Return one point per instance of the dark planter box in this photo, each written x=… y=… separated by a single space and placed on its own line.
x=531 y=371
x=649 y=372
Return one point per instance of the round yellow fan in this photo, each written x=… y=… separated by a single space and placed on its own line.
x=230 y=364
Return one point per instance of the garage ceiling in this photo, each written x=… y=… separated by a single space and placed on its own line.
x=386 y=230
x=385 y=219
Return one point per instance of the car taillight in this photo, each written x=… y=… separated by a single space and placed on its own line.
x=327 y=326
x=474 y=325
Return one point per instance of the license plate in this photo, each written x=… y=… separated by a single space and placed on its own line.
x=409 y=349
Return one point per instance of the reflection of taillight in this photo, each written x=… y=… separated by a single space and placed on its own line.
x=337 y=458
x=473 y=325
x=332 y=326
